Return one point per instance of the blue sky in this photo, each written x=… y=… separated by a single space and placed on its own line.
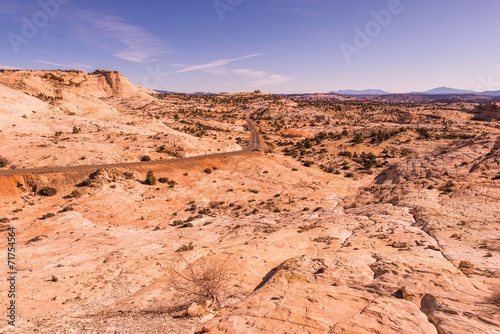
x=278 y=46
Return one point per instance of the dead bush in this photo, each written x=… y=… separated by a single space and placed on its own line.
x=325 y=239
x=206 y=279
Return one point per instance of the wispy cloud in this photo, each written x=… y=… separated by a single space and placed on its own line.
x=70 y=65
x=6 y=67
x=42 y=51
x=262 y=78
x=216 y=66
x=136 y=43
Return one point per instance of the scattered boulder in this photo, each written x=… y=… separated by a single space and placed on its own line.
x=202 y=310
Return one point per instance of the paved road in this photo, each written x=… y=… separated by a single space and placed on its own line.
x=255 y=144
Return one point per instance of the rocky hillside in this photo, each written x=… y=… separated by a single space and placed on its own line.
x=50 y=118
x=61 y=84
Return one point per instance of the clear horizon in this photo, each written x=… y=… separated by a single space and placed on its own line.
x=277 y=46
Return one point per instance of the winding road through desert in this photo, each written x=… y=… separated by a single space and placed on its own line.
x=254 y=144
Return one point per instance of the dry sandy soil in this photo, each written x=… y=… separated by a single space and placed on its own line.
x=360 y=216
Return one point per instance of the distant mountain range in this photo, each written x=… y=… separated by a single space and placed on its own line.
x=165 y=92
x=447 y=91
x=361 y=92
x=435 y=91
x=379 y=92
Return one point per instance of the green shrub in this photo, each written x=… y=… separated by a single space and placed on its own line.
x=177 y=223
x=308 y=163
x=48 y=192
x=424 y=133
x=150 y=178
x=84 y=183
x=3 y=162
x=48 y=215
x=185 y=248
x=358 y=138
x=128 y=175
x=163 y=180
x=67 y=209
x=368 y=160
x=346 y=154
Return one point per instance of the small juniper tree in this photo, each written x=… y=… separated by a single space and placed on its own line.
x=150 y=178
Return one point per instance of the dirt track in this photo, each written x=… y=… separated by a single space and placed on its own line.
x=255 y=144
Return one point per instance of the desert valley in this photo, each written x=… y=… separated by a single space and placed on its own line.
x=137 y=211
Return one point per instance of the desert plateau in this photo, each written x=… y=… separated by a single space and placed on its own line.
x=137 y=211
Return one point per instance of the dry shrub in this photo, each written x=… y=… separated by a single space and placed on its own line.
x=206 y=279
